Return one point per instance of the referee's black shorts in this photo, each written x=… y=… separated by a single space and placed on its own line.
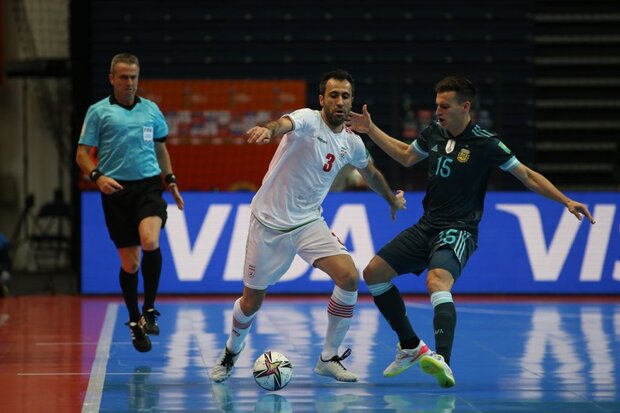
x=123 y=210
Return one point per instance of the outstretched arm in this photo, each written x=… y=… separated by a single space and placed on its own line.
x=377 y=183
x=398 y=150
x=271 y=129
x=541 y=185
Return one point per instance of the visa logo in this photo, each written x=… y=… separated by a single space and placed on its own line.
x=548 y=259
x=527 y=244
x=191 y=260
x=550 y=255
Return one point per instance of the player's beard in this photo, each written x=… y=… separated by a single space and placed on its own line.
x=335 y=121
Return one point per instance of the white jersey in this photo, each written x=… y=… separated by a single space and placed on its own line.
x=303 y=169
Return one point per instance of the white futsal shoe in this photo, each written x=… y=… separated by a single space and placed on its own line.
x=406 y=358
x=334 y=368
x=224 y=365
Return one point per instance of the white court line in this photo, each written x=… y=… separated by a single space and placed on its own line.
x=479 y=310
x=3 y=318
x=87 y=374
x=92 y=400
x=464 y=309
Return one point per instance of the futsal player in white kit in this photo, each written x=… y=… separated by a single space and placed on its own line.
x=287 y=218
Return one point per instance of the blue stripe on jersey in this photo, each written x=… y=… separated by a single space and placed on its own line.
x=510 y=164
x=416 y=147
x=478 y=131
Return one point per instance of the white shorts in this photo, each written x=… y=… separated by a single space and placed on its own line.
x=269 y=253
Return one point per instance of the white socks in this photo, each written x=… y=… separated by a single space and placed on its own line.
x=339 y=313
x=240 y=329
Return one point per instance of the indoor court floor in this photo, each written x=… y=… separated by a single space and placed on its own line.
x=536 y=354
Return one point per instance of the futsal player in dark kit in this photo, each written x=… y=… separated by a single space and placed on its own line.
x=461 y=155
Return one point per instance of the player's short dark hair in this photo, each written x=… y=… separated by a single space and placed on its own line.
x=464 y=88
x=339 y=74
x=126 y=58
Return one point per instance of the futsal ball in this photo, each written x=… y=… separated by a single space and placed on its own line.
x=272 y=370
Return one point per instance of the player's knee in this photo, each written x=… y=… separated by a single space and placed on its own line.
x=348 y=280
x=432 y=285
x=435 y=282
x=371 y=274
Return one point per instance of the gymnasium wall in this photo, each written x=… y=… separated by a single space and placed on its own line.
x=396 y=51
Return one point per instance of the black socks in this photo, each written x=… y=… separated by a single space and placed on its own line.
x=151 y=271
x=444 y=323
x=129 y=286
x=392 y=306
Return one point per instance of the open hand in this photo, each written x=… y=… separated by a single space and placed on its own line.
x=174 y=190
x=359 y=122
x=578 y=209
x=398 y=203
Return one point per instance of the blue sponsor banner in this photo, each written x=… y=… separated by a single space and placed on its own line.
x=527 y=244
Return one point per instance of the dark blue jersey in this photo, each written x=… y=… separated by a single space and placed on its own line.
x=458 y=172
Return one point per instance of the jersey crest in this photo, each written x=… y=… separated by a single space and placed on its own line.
x=463 y=155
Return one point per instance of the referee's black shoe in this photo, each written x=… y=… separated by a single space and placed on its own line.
x=139 y=338
x=150 y=316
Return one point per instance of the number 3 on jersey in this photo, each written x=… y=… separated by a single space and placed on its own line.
x=443 y=167
x=327 y=166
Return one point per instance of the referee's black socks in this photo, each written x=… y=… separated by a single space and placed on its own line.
x=151 y=271
x=129 y=287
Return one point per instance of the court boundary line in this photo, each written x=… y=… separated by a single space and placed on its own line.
x=84 y=374
x=92 y=400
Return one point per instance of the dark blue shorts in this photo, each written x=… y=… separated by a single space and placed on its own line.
x=414 y=249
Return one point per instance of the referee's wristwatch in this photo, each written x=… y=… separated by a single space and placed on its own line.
x=170 y=179
x=95 y=174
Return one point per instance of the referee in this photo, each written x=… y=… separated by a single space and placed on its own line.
x=129 y=134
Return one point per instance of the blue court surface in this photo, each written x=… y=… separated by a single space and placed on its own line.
x=539 y=355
